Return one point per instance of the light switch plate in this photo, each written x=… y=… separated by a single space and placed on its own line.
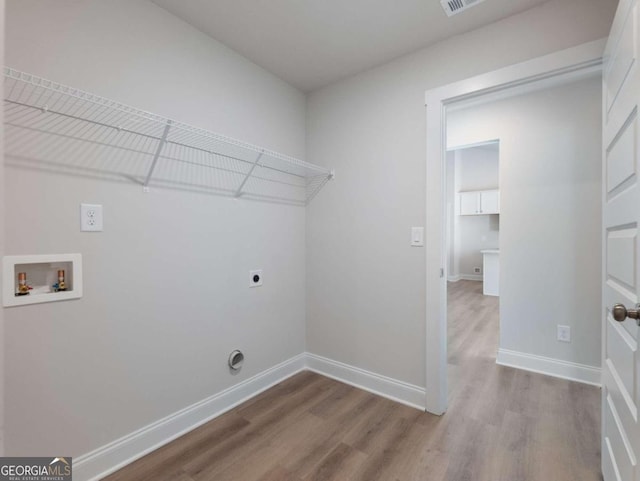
x=91 y=218
x=417 y=236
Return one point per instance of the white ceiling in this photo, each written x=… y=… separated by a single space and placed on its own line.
x=311 y=43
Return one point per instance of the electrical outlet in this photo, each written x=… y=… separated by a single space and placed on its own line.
x=255 y=278
x=91 y=218
x=564 y=333
x=476 y=270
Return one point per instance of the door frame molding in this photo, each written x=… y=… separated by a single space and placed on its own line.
x=552 y=69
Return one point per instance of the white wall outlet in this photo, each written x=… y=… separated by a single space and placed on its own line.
x=564 y=333
x=255 y=278
x=91 y=218
x=417 y=236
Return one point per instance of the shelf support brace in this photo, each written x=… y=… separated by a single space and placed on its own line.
x=244 y=181
x=161 y=144
x=330 y=176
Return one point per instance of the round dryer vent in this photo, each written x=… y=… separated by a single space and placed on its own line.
x=236 y=359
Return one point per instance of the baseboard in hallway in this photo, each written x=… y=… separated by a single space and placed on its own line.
x=475 y=339
x=465 y=277
x=551 y=367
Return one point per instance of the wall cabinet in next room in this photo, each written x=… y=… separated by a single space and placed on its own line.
x=479 y=202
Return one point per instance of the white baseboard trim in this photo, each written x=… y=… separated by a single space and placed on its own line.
x=471 y=277
x=551 y=367
x=113 y=456
x=117 y=454
x=387 y=387
x=455 y=278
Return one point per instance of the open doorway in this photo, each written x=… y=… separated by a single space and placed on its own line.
x=473 y=259
x=569 y=65
x=522 y=224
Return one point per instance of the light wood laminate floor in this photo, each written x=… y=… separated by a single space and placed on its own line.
x=502 y=425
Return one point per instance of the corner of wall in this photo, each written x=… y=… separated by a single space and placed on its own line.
x=107 y=459
x=111 y=457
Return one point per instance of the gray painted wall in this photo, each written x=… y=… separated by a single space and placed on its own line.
x=166 y=284
x=365 y=284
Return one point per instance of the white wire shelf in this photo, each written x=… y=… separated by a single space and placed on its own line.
x=53 y=127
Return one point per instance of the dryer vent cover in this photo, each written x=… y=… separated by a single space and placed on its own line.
x=236 y=359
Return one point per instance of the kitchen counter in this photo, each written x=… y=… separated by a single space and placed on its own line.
x=491 y=272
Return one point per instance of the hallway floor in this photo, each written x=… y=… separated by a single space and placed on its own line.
x=503 y=424
x=535 y=427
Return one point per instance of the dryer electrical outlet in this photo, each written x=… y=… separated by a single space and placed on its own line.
x=255 y=278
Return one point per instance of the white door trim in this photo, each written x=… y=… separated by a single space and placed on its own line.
x=554 y=68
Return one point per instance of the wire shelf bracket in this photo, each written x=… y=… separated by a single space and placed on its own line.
x=161 y=145
x=57 y=128
x=244 y=181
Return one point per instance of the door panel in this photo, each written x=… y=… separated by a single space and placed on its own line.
x=622 y=352
x=623 y=61
x=619 y=401
x=624 y=459
x=621 y=256
x=621 y=266
x=620 y=156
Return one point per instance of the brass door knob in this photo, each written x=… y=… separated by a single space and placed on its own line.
x=620 y=313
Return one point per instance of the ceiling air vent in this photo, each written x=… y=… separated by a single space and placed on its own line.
x=451 y=7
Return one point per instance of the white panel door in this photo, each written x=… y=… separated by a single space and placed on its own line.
x=490 y=202
x=621 y=266
x=469 y=203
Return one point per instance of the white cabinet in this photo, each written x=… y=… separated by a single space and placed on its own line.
x=469 y=203
x=490 y=202
x=480 y=202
